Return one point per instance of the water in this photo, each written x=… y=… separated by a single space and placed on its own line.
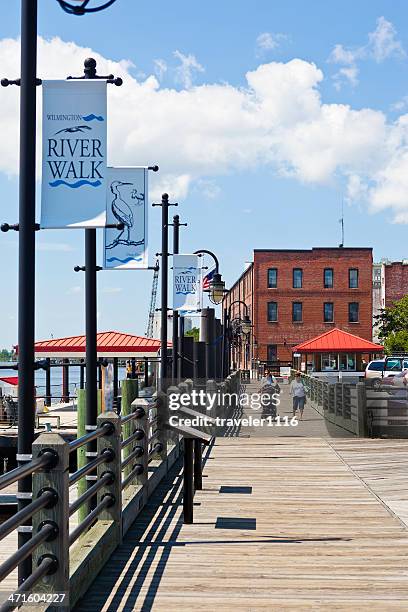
x=56 y=380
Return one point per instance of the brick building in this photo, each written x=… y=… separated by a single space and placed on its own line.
x=390 y=284
x=295 y=295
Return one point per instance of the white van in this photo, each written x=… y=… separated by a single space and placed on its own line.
x=379 y=369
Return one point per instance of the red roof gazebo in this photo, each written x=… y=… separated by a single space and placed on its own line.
x=336 y=350
x=109 y=344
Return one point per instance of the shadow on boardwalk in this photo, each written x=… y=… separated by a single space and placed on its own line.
x=131 y=579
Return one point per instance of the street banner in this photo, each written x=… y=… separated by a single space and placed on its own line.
x=127 y=203
x=186 y=286
x=73 y=190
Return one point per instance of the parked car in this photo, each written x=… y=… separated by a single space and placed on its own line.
x=398 y=381
x=379 y=370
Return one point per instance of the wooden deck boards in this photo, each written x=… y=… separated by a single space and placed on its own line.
x=311 y=535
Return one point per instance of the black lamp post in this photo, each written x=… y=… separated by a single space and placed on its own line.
x=164 y=366
x=27 y=227
x=242 y=327
x=91 y=269
x=175 y=342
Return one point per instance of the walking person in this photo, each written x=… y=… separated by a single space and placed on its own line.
x=298 y=393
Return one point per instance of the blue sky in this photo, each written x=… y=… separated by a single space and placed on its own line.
x=265 y=187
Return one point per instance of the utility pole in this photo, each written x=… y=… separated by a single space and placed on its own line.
x=164 y=268
x=176 y=250
x=26 y=261
x=91 y=270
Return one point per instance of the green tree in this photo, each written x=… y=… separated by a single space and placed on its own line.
x=5 y=355
x=195 y=332
x=392 y=326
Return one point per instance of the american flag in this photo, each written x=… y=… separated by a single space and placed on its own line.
x=207 y=279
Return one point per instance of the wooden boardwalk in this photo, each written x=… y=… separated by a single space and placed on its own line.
x=289 y=523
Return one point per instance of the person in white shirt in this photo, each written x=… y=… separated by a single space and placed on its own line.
x=298 y=394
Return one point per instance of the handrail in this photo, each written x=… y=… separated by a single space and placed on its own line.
x=45 y=566
x=136 y=471
x=136 y=436
x=104 y=430
x=18 y=519
x=158 y=447
x=105 y=502
x=106 y=479
x=137 y=452
x=46 y=459
x=136 y=414
x=106 y=456
x=22 y=553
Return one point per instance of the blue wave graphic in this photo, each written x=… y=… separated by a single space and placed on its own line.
x=185 y=292
x=110 y=259
x=91 y=117
x=80 y=183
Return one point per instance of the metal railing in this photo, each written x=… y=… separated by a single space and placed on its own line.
x=133 y=452
x=343 y=404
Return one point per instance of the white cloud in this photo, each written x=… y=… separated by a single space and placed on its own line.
x=382 y=44
x=347 y=73
x=267 y=41
x=186 y=70
x=400 y=104
x=160 y=68
x=278 y=122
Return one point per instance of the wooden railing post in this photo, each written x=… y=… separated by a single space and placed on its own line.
x=163 y=414
x=141 y=423
x=211 y=389
x=111 y=441
x=56 y=514
x=362 y=424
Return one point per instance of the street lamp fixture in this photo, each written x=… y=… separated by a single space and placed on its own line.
x=80 y=7
x=217 y=285
x=246 y=325
x=217 y=288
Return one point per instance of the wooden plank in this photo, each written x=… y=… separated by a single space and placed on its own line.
x=324 y=537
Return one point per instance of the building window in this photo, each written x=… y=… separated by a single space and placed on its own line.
x=297 y=314
x=328 y=312
x=353 y=278
x=347 y=361
x=297 y=278
x=353 y=312
x=272 y=278
x=329 y=362
x=272 y=352
x=272 y=311
x=328 y=278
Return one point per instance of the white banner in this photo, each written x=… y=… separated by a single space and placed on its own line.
x=186 y=286
x=73 y=191
x=126 y=202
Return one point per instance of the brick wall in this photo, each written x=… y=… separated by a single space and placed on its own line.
x=285 y=333
x=252 y=288
x=396 y=281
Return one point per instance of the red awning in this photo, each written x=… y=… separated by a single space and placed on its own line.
x=110 y=344
x=337 y=340
x=10 y=380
